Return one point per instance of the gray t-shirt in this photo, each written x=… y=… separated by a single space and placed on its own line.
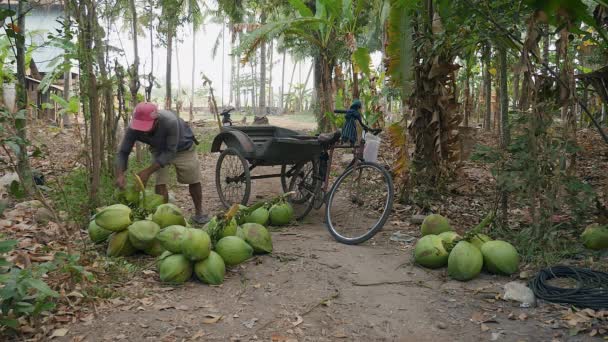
x=171 y=135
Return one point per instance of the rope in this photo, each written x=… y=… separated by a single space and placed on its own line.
x=591 y=289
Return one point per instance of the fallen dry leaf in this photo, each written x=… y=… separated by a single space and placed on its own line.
x=523 y=316
x=199 y=334
x=484 y=327
x=59 y=333
x=211 y=318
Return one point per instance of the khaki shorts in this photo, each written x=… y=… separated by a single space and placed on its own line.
x=187 y=168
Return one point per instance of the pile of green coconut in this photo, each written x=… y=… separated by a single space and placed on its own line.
x=465 y=256
x=160 y=230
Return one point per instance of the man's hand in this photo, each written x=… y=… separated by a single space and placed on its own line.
x=120 y=180
x=145 y=174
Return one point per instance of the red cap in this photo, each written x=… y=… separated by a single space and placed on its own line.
x=144 y=115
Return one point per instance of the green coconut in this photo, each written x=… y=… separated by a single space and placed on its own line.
x=211 y=270
x=257 y=236
x=175 y=269
x=595 y=237
x=230 y=228
x=168 y=214
x=143 y=233
x=280 y=214
x=479 y=239
x=435 y=224
x=233 y=250
x=210 y=225
x=119 y=245
x=155 y=249
x=240 y=232
x=170 y=238
x=259 y=216
x=500 y=257
x=196 y=244
x=98 y=234
x=450 y=237
x=430 y=252
x=162 y=257
x=241 y=218
x=151 y=201
x=115 y=217
x=465 y=261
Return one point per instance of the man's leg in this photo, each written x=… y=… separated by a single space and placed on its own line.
x=189 y=172
x=196 y=192
x=161 y=189
x=162 y=179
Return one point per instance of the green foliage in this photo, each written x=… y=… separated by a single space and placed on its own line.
x=400 y=48
x=533 y=171
x=70 y=194
x=362 y=60
x=22 y=291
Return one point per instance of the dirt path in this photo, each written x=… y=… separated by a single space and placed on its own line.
x=314 y=289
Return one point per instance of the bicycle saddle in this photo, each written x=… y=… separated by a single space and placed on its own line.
x=329 y=138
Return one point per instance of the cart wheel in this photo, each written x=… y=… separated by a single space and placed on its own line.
x=306 y=185
x=284 y=179
x=232 y=179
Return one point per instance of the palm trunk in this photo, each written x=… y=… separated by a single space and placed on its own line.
x=191 y=111
x=270 y=64
x=282 y=95
x=67 y=76
x=253 y=85
x=515 y=90
x=23 y=166
x=293 y=72
x=323 y=69
x=151 y=74
x=232 y=71
x=355 y=82
x=467 y=96
x=168 y=66
x=262 y=101
x=505 y=136
x=237 y=82
x=89 y=96
x=134 y=84
x=178 y=95
x=566 y=90
x=487 y=80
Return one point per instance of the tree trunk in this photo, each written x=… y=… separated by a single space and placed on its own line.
x=88 y=87
x=178 y=95
x=323 y=69
x=151 y=74
x=546 y=43
x=237 y=82
x=270 y=65
x=23 y=165
x=232 y=70
x=191 y=110
x=67 y=75
x=604 y=115
x=515 y=90
x=505 y=136
x=168 y=66
x=467 y=96
x=355 y=83
x=253 y=81
x=262 y=101
x=134 y=72
x=293 y=72
x=282 y=97
x=566 y=95
x=487 y=80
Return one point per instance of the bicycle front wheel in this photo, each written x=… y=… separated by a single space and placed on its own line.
x=359 y=203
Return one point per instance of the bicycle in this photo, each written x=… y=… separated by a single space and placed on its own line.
x=361 y=197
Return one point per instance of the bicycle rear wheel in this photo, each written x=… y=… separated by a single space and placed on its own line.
x=305 y=184
x=359 y=203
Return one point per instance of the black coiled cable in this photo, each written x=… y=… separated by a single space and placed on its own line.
x=591 y=289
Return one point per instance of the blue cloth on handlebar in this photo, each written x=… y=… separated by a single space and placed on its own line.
x=349 y=132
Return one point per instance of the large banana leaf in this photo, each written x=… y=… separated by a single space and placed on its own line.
x=400 y=49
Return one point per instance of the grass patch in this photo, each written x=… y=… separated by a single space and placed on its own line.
x=70 y=193
x=205 y=140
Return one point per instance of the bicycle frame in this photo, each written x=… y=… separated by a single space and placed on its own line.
x=357 y=157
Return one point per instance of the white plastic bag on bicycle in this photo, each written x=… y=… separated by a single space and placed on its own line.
x=372 y=145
